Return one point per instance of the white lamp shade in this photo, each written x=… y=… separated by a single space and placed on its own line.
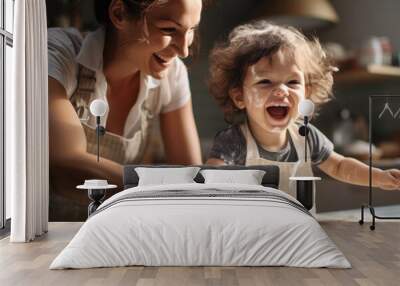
x=306 y=107
x=98 y=107
x=302 y=14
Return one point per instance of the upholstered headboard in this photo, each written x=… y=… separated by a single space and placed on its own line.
x=271 y=177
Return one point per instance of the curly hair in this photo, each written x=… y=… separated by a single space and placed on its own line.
x=135 y=8
x=247 y=44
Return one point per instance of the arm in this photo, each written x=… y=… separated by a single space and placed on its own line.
x=352 y=171
x=229 y=148
x=68 y=140
x=180 y=137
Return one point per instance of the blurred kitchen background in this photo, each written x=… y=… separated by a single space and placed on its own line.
x=362 y=36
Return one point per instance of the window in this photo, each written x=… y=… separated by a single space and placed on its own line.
x=6 y=62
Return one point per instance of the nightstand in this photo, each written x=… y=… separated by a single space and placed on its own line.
x=305 y=190
x=96 y=192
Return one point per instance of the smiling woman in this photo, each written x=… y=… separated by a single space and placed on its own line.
x=133 y=62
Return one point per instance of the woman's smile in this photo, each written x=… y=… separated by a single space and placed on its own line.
x=161 y=61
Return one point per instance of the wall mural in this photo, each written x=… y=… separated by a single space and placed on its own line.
x=162 y=98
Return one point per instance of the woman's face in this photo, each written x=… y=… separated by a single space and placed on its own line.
x=166 y=32
x=271 y=91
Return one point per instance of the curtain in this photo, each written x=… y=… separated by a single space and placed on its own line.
x=27 y=167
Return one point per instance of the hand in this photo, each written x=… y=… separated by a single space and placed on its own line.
x=389 y=179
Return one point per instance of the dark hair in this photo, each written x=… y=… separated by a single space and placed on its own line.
x=134 y=8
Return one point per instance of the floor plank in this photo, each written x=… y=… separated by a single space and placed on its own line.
x=375 y=257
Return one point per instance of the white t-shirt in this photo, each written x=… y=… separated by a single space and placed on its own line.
x=67 y=49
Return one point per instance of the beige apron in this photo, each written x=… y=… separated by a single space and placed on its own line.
x=286 y=169
x=112 y=146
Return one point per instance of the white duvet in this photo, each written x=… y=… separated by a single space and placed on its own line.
x=183 y=231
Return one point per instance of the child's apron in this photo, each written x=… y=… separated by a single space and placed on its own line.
x=286 y=169
x=112 y=146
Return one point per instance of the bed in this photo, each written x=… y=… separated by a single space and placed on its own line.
x=201 y=224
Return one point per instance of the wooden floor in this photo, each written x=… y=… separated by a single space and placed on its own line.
x=375 y=256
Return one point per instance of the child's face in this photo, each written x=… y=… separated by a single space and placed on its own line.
x=272 y=89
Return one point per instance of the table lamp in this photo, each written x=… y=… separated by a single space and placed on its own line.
x=98 y=108
x=306 y=109
x=305 y=185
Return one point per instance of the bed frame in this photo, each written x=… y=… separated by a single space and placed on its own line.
x=271 y=177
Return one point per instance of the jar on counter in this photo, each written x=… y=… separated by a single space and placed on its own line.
x=343 y=134
x=376 y=51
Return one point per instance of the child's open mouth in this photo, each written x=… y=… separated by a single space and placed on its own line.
x=278 y=112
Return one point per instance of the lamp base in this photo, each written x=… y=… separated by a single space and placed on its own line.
x=305 y=190
x=96 y=196
x=304 y=193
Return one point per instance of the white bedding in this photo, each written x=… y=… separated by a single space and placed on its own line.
x=189 y=230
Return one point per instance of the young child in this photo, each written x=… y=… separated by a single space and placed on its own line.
x=258 y=78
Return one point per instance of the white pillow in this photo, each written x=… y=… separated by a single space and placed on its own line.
x=162 y=176
x=248 y=177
